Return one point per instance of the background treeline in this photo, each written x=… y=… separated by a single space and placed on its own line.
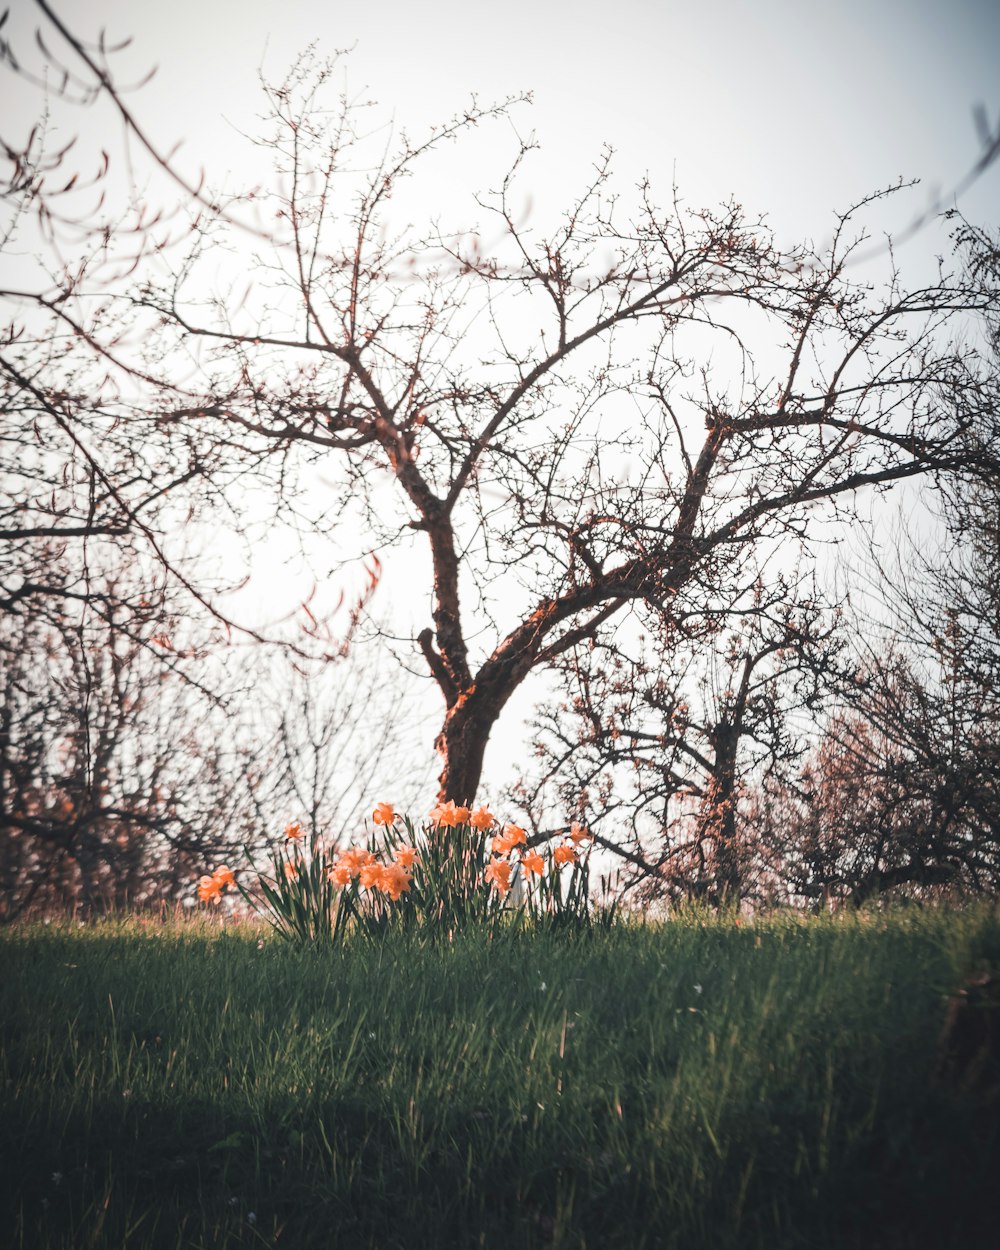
x=601 y=459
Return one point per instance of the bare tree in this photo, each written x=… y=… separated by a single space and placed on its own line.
x=87 y=467
x=915 y=754
x=129 y=755
x=74 y=480
x=868 y=816
x=903 y=790
x=501 y=466
x=496 y=381
x=114 y=776
x=127 y=766
x=667 y=730
x=933 y=693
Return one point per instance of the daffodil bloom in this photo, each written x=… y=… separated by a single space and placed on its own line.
x=500 y=845
x=498 y=875
x=291 y=872
x=224 y=876
x=564 y=855
x=383 y=814
x=448 y=815
x=533 y=863
x=404 y=856
x=371 y=875
x=356 y=858
x=394 y=880
x=340 y=874
x=209 y=890
x=481 y=818
x=578 y=834
x=515 y=835
x=293 y=832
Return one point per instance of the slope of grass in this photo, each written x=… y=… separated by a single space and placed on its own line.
x=691 y=1084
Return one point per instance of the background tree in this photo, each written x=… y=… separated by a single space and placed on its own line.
x=128 y=756
x=113 y=767
x=75 y=480
x=920 y=731
x=497 y=383
x=499 y=435
x=666 y=731
x=123 y=776
x=903 y=790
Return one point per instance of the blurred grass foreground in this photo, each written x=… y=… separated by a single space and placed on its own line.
x=698 y=1082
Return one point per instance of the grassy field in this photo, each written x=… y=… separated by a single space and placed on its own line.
x=692 y=1084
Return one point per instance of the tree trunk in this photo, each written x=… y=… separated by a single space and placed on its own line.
x=722 y=817
x=462 y=747
x=474 y=710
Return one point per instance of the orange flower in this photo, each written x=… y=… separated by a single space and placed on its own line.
x=404 y=856
x=209 y=890
x=291 y=872
x=500 y=845
x=383 y=814
x=498 y=875
x=515 y=835
x=578 y=834
x=394 y=880
x=448 y=815
x=371 y=875
x=356 y=858
x=533 y=863
x=564 y=855
x=293 y=832
x=224 y=876
x=340 y=874
x=481 y=818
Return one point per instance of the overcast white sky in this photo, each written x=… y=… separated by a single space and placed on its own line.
x=795 y=107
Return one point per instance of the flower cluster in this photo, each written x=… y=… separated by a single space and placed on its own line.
x=210 y=888
x=312 y=896
x=498 y=872
x=450 y=816
x=357 y=863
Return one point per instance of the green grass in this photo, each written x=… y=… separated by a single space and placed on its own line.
x=533 y=1090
